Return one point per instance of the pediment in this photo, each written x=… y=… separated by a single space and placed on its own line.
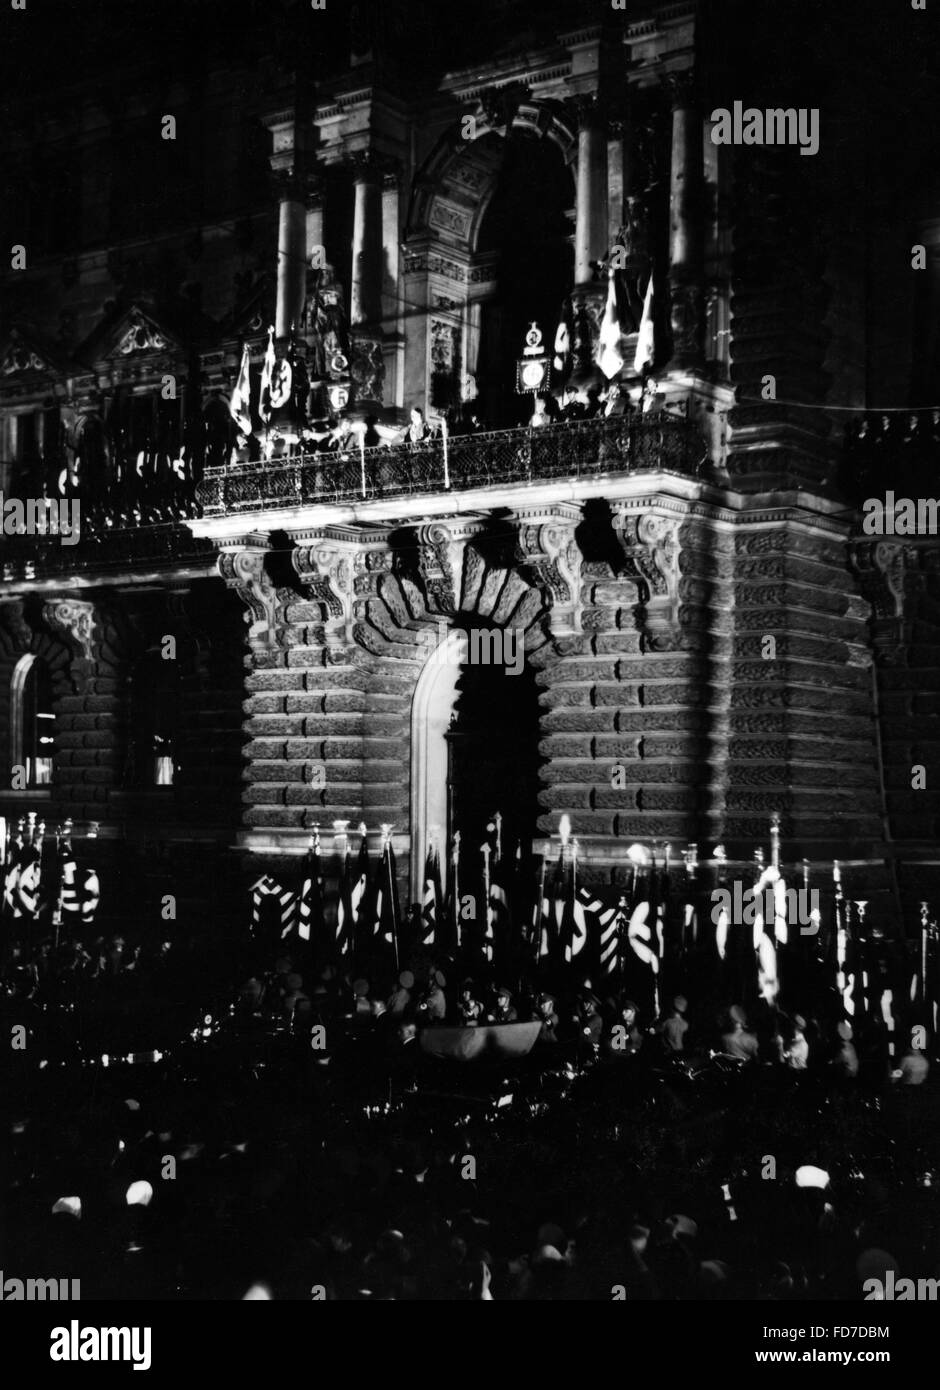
x=128 y=338
x=24 y=356
x=138 y=334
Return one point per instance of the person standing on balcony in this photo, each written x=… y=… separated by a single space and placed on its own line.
x=616 y=402
x=419 y=431
x=541 y=415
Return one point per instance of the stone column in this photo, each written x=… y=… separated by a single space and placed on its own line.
x=286 y=159
x=590 y=238
x=365 y=301
x=365 y=297
x=686 y=239
x=392 y=309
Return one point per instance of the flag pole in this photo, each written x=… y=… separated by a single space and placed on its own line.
x=840 y=931
x=455 y=863
x=487 y=950
x=540 y=909
x=387 y=852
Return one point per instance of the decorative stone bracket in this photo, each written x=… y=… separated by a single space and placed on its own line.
x=75 y=621
x=551 y=552
x=438 y=562
x=651 y=545
x=327 y=570
x=889 y=573
x=882 y=569
x=244 y=571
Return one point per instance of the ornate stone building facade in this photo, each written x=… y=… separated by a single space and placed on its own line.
x=693 y=600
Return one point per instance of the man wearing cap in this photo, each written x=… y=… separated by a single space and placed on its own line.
x=588 y=1019
x=503 y=1011
x=625 y=1038
x=469 y=1009
x=546 y=1015
x=737 y=1042
x=673 y=1026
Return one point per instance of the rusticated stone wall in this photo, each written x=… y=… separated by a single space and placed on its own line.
x=713 y=670
x=802 y=726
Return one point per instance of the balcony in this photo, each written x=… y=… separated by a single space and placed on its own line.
x=149 y=523
x=474 y=462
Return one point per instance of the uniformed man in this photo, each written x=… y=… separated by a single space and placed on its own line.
x=737 y=1042
x=588 y=1018
x=546 y=1015
x=469 y=1009
x=503 y=1011
x=674 y=1026
x=625 y=1038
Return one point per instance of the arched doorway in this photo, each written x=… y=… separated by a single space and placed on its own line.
x=475 y=736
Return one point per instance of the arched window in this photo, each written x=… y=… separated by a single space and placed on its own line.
x=32 y=720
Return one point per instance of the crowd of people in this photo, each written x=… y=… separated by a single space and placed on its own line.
x=295 y=1141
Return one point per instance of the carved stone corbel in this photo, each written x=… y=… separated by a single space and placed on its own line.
x=651 y=545
x=882 y=568
x=549 y=550
x=326 y=571
x=437 y=565
x=244 y=571
x=75 y=621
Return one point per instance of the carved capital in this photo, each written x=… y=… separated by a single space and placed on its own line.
x=73 y=619
x=551 y=553
x=682 y=88
x=437 y=565
x=651 y=545
x=327 y=572
x=588 y=110
x=244 y=571
x=372 y=164
x=882 y=569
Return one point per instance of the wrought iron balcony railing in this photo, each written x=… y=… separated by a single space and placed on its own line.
x=347 y=475
x=143 y=521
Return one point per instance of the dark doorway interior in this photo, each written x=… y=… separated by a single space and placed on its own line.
x=494 y=759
